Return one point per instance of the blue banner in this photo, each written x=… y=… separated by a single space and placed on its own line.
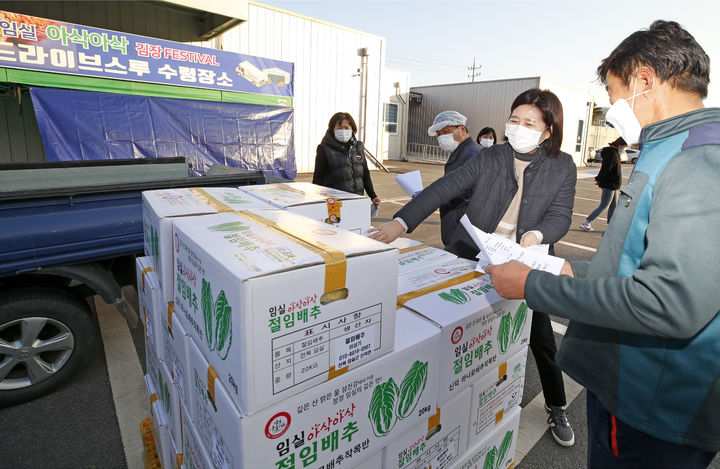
x=87 y=125
x=33 y=43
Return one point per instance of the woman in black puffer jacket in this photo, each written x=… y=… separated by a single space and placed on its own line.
x=340 y=160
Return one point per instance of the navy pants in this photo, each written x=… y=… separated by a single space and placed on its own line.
x=614 y=444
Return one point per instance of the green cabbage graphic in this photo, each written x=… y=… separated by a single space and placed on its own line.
x=382 y=408
x=518 y=322
x=456 y=296
x=230 y=226
x=490 y=459
x=223 y=324
x=206 y=302
x=411 y=389
x=504 y=332
x=504 y=447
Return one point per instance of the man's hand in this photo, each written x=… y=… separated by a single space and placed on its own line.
x=509 y=279
x=387 y=232
x=376 y=202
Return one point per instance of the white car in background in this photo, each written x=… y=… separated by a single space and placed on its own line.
x=626 y=156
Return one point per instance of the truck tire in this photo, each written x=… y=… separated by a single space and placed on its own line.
x=46 y=335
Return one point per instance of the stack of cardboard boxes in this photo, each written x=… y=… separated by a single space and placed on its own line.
x=284 y=340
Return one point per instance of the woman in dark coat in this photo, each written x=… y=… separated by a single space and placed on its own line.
x=340 y=160
x=608 y=179
x=523 y=190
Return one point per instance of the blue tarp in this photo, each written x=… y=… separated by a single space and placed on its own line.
x=87 y=125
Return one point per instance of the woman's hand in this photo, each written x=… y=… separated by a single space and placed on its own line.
x=376 y=202
x=387 y=232
x=528 y=239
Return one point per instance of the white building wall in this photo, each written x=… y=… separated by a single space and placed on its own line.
x=326 y=71
x=577 y=106
x=394 y=145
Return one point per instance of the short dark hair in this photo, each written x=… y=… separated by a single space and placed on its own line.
x=669 y=50
x=338 y=117
x=485 y=131
x=552 y=113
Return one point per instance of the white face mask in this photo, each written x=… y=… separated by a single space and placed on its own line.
x=486 y=142
x=447 y=142
x=343 y=135
x=522 y=139
x=623 y=118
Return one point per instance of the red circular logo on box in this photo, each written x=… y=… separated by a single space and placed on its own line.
x=441 y=271
x=456 y=335
x=277 y=425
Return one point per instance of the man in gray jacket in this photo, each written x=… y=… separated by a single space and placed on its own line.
x=644 y=336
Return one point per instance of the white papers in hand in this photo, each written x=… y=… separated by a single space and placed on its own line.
x=498 y=250
x=410 y=182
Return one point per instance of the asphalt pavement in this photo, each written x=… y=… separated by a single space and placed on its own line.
x=78 y=426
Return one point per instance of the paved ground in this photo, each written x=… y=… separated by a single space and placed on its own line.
x=91 y=422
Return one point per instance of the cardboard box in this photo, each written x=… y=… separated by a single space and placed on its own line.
x=176 y=357
x=170 y=399
x=479 y=328
x=161 y=425
x=345 y=420
x=161 y=207
x=433 y=443
x=496 y=394
x=150 y=302
x=194 y=453
x=337 y=208
x=420 y=257
x=402 y=243
x=279 y=303
x=497 y=450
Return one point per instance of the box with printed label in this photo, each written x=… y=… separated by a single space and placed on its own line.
x=161 y=424
x=194 y=453
x=176 y=357
x=402 y=243
x=338 y=208
x=279 y=303
x=150 y=302
x=338 y=423
x=479 y=328
x=421 y=257
x=433 y=443
x=497 y=450
x=170 y=399
x=495 y=394
x=161 y=207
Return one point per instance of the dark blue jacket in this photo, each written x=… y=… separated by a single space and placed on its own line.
x=451 y=212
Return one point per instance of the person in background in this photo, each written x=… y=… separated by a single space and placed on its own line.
x=522 y=190
x=340 y=159
x=486 y=137
x=644 y=333
x=452 y=135
x=608 y=179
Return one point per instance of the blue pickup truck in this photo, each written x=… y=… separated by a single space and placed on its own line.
x=70 y=231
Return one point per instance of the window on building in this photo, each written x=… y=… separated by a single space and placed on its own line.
x=390 y=118
x=578 y=141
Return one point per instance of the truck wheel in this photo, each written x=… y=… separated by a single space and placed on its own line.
x=46 y=336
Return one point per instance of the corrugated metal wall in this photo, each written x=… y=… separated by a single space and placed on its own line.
x=20 y=140
x=326 y=63
x=485 y=104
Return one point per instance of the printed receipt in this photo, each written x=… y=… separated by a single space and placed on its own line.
x=495 y=249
